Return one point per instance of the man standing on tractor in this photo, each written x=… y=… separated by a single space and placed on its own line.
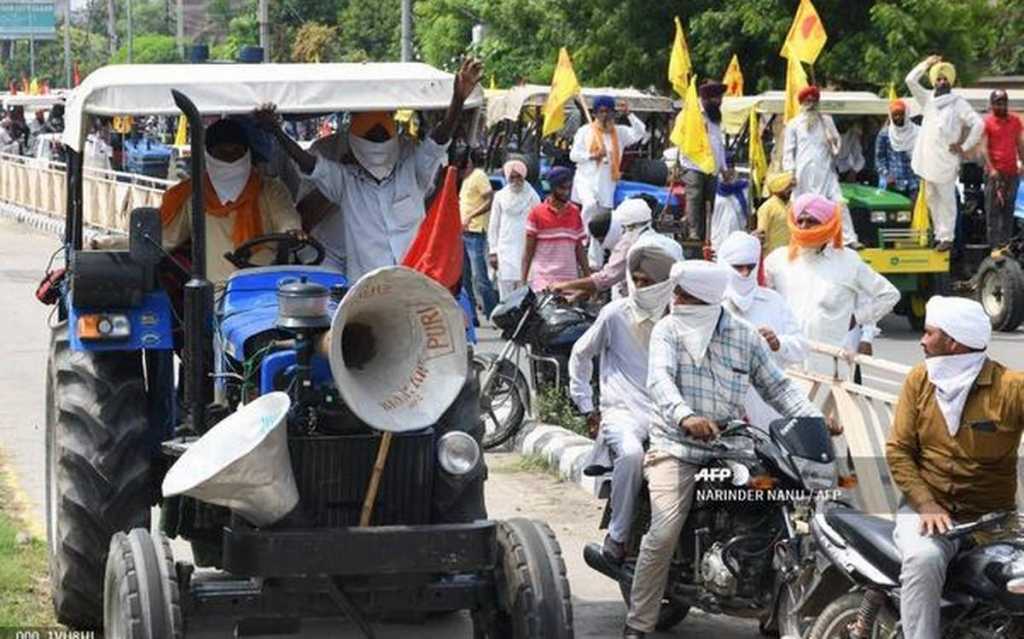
x=811 y=145
x=949 y=127
x=701 y=187
x=597 y=151
x=380 y=187
x=893 y=147
x=1003 y=149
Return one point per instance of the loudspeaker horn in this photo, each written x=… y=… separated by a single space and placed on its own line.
x=242 y=463
x=397 y=349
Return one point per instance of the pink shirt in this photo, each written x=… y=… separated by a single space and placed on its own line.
x=557 y=233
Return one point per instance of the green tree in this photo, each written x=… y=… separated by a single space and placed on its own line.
x=370 y=30
x=315 y=42
x=150 y=49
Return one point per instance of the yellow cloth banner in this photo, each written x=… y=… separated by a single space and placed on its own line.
x=679 y=65
x=920 y=221
x=690 y=134
x=755 y=150
x=181 y=135
x=796 y=79
x=123 y=124
x=563 y=87
x=733 y=79
x=33 y=87
x=892 y=92
x=806 y=36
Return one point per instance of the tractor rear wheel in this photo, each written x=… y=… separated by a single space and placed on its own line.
x=1001 y=292
x=98 y=470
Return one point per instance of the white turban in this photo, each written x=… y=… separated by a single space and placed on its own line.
x=632 y=211
x=704 y=280
x=962 y=319
x=739 y=248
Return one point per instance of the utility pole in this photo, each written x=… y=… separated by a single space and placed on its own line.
x=181 y=28
x=131 y=35
x=31 y=58
x=112 y=26
x=67 y=43
x=264 y=20
x=406 y=30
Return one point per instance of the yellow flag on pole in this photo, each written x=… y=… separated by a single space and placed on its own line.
x=690 y=134
x=181 y=135
x=755 y=151
x=806 y=36
x=796 y=79
x=33 y=88
x=563 y=87
x=733 y=79
x=892 y=92
x=920 y=221
x=679 y=65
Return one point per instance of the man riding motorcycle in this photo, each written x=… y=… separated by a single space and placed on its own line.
x=952 y=451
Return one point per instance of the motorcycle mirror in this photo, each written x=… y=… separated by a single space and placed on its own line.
x=1015 y=586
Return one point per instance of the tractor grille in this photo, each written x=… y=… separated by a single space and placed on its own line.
x=333 y=473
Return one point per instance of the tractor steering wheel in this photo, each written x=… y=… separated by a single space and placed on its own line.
x=286 y=250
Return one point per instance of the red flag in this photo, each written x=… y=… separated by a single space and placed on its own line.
x=24 y=84
x=44 y=87
x=437 y=249
x=76 y=77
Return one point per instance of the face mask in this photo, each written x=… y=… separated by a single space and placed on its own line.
x=229 y=178
x=953 y=376
x=378 y=158
x=697 y=324
x=742 y=289
x=651 y=301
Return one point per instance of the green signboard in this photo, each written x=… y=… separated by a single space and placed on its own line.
x=27 y=19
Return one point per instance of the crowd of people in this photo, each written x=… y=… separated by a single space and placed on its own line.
x=18 y=135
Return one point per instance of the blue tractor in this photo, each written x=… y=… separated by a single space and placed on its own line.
x=390 y=520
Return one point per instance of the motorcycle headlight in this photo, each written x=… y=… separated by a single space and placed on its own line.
x=816 y=475
x=458 y=453
x=903 y=217
x=878 y=217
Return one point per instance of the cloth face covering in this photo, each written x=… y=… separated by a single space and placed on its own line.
x=229 y=178
x=655 y=256
x=953 y=377
x=697 y=326
x=740 y=249
x=378 y=158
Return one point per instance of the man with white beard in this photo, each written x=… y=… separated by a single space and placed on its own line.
x=506 y=232
x=619 y=337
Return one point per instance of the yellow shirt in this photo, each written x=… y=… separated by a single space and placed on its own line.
x=771 y=219
x=475 y=191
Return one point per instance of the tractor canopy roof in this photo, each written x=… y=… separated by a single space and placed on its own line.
x=507 y=104
x=32 y=102
x=223 y=89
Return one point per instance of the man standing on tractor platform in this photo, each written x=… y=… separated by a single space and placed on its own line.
x=597 y=150
x=701 y=188
x=949 y=127
x=773 y=214
x=811 y=145
x=893 y=147
x=380 y=187
x=1003 y=149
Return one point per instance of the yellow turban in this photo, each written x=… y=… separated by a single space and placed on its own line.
x=943 y=69
x=780 y=182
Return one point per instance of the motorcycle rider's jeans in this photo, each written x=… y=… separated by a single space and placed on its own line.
x=671 y=483
x=922 y=576
x=627 y=445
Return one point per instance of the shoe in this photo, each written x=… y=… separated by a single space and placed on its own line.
x=612 y=550
x=856 y=246
x=943 y=246
x=999 y=254
x=630 y=633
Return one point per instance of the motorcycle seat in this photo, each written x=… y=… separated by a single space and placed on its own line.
x=870 y=535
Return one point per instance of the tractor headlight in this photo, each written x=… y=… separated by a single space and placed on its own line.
x=878 y=217
x=903 y=217
x=458 y=453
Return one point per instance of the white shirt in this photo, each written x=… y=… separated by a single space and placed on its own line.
x=506 y=232
x=717 y=140
x=851 y=153
x=809 y=152
x=593 y=180
x=97 y=153
x=943 y=121
x=824 y=288
x=377 y=221
x=727 y=217
x=770 y=310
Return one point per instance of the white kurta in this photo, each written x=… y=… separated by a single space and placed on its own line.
x=593 y=183
x=378 y=221
x=727 y=217
x=506 y=233
x=851 y=153
x=825 y=288
x=770 y=310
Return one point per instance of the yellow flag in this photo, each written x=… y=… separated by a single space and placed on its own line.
x=690 y=135
x=806 y=36
x=181 y=135
x=33 y=88
x=563 y=87
x=892 y=92
x=755 y=151
x=679 y=66
x=920 y=221
x=493 y=85
x=733 y=79
x=796 y=79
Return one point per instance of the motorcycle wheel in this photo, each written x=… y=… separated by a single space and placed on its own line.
x=789 y=624
x=835 y=619
x=670 y=614
x=503 y=402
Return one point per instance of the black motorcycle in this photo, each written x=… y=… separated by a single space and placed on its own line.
x=540 y=330
x=983 y=598
x=746 y=530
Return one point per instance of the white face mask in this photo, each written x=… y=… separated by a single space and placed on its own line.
x=229 y=178
x=953 y=377
x=651 y=301
x=697 y=323
x=378 y=158
x=742 y=289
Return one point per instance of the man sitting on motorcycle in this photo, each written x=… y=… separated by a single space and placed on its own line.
x=619 y=337
x=702 y=363
x=952 y=450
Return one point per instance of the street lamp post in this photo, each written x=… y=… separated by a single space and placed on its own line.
x=406 y=30
x=130 y=33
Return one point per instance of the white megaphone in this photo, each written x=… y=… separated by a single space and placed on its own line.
x=242 y=463
x=398 y=350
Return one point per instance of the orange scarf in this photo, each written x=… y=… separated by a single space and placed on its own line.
x=248 y=221
x=816 y=236
x=597 y=145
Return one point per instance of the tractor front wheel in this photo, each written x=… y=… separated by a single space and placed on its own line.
x=1001 y=292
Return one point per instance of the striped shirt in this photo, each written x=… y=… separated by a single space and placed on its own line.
x=737 y=358
x=557 y=233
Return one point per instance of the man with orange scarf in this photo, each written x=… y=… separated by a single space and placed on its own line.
x=597 y=151
x=240 y=203
x=828 y=287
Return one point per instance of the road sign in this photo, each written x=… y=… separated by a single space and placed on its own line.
x=28 y=19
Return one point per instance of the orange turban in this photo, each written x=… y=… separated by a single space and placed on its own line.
x=808 y=93
x=897 y=106
x=363 y=123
